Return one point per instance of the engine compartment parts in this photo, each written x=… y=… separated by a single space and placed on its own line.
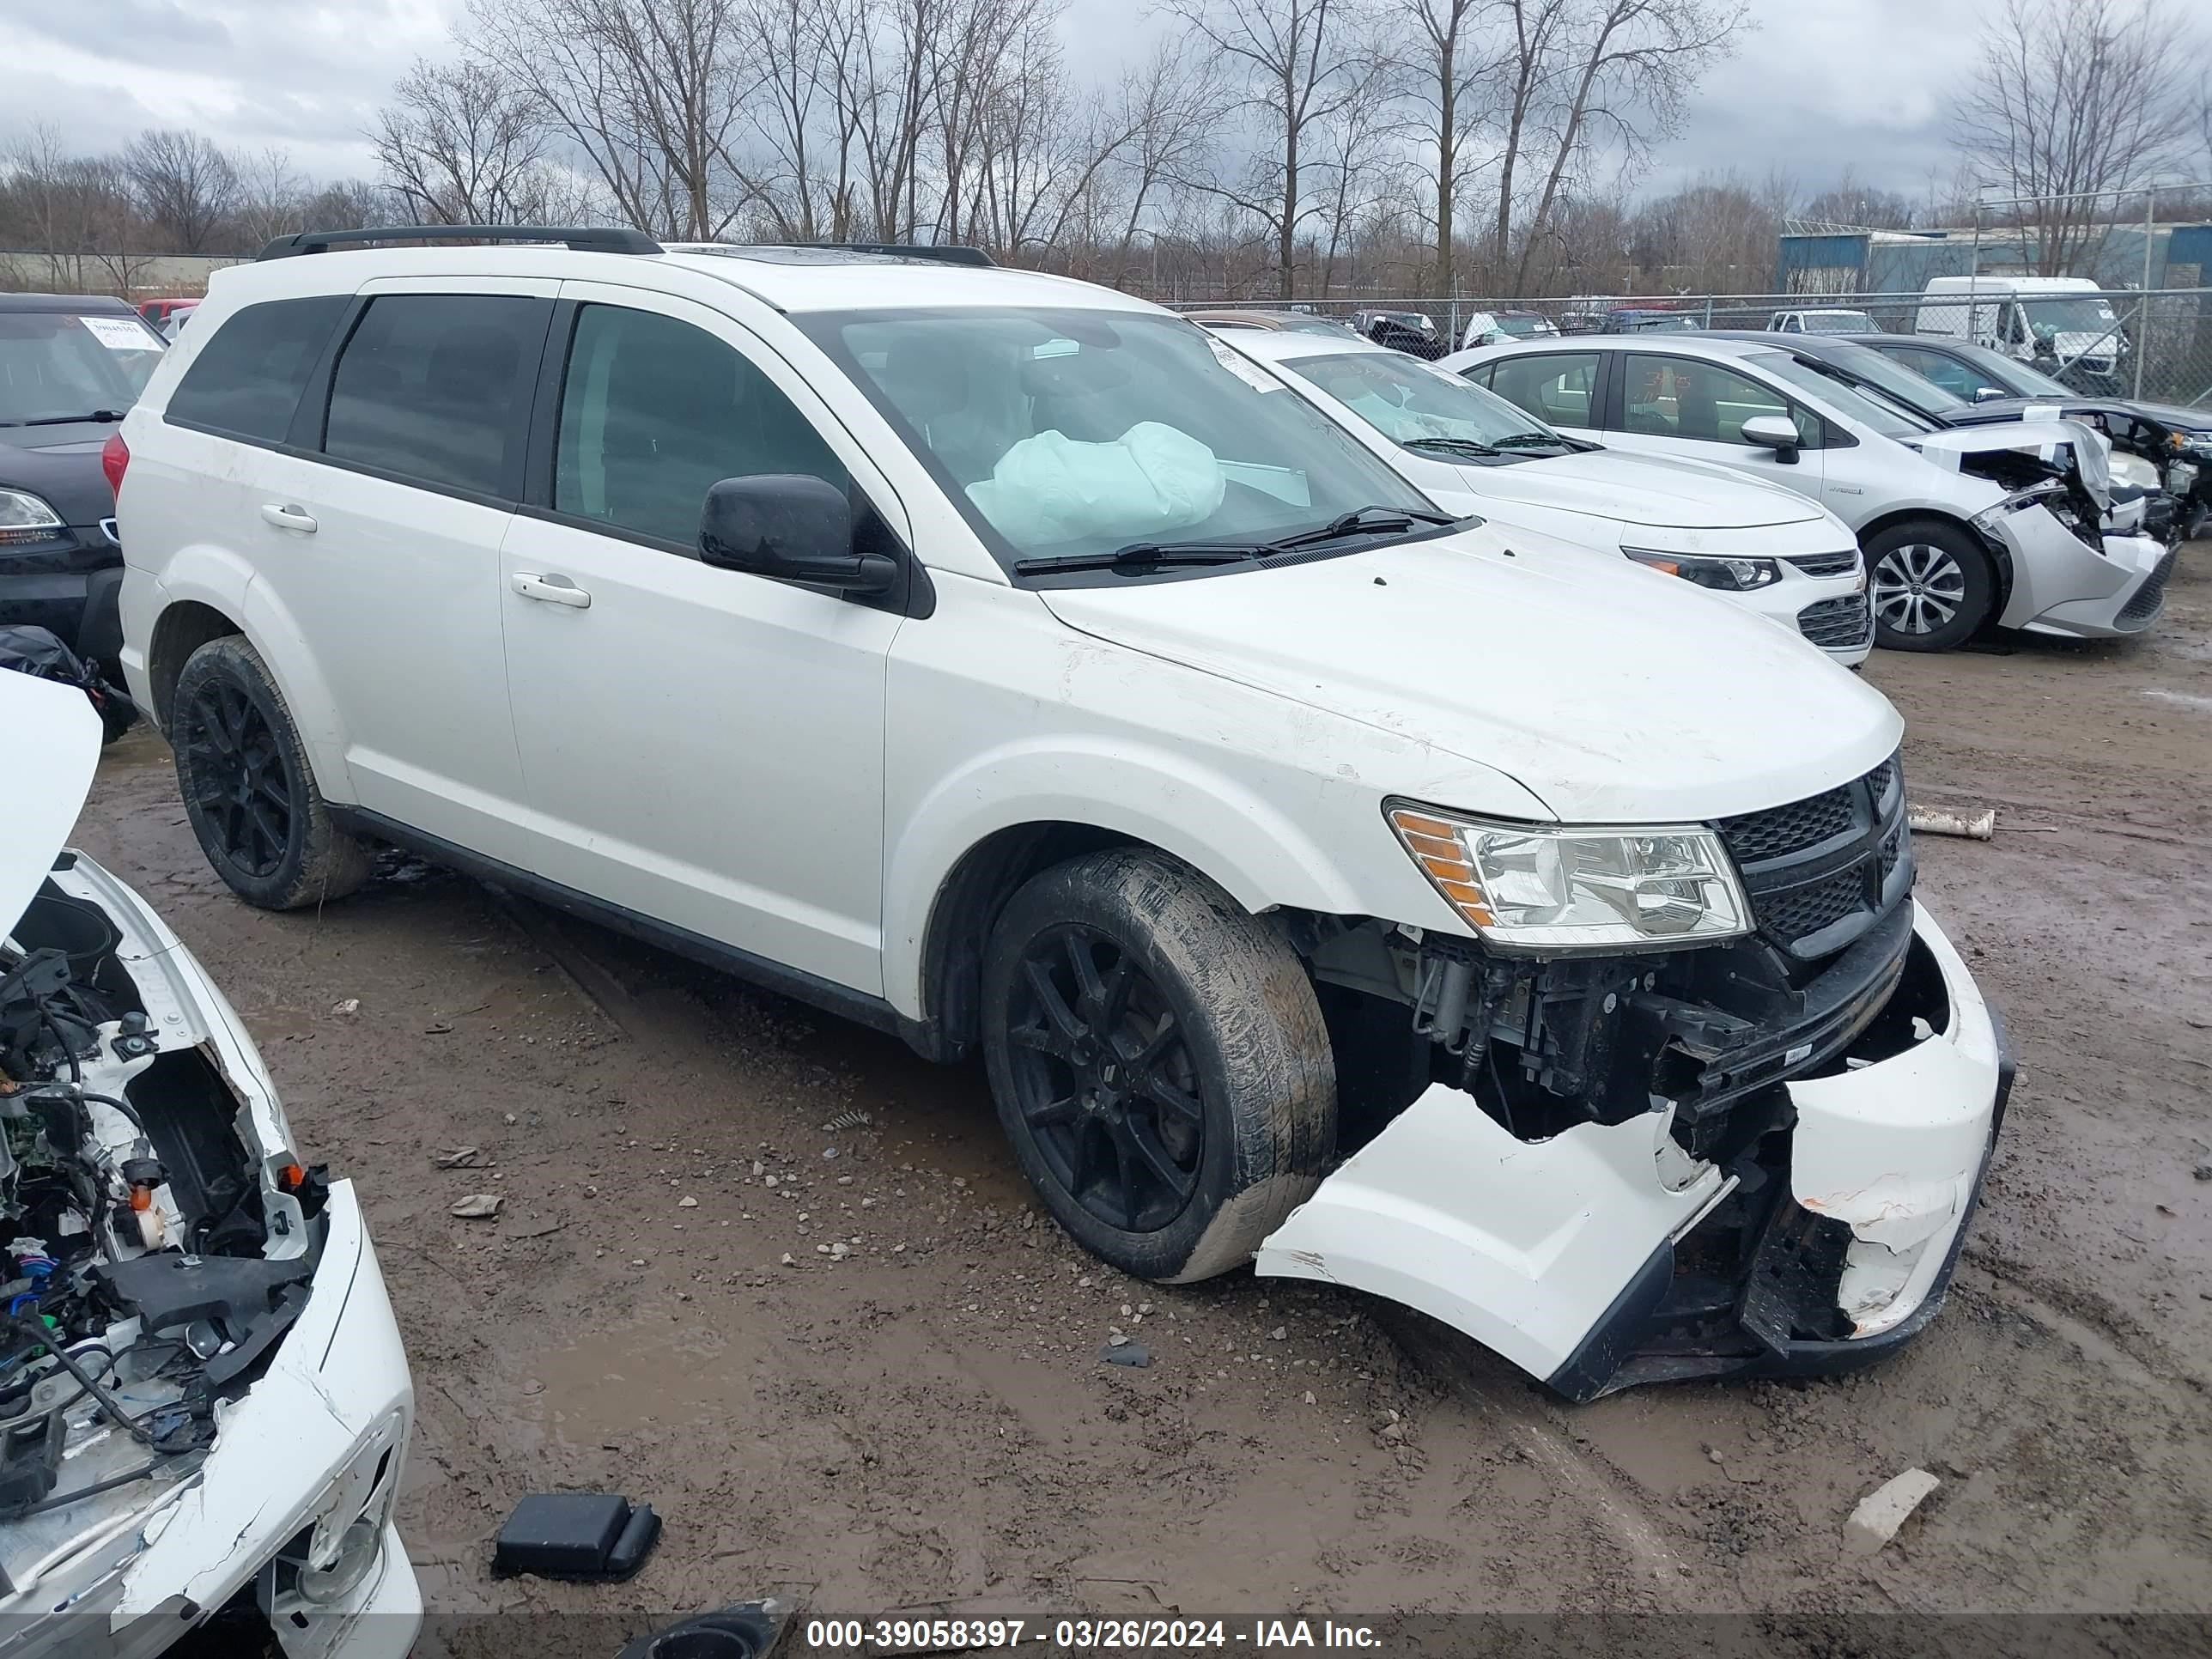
x=575 y=1534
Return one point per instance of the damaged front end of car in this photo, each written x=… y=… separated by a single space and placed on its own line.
x=204 y=1401
x=1751 y=1155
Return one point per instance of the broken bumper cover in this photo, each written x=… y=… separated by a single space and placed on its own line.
x=1605 y=1256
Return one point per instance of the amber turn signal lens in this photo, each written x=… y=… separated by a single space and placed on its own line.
x=1436 y=848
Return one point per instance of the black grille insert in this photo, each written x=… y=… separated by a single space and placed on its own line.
x=1819 y=871
x=1825 y=564
x=2146 y=602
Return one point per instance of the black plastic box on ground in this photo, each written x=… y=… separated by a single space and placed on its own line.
x=575 y=1534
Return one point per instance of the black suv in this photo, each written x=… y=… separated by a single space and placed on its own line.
x=70 y=365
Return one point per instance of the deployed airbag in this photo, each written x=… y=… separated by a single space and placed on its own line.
x=1151 y=480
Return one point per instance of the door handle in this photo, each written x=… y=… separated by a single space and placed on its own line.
x=554 y=590
x=285 y=516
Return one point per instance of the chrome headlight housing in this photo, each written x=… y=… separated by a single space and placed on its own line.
x=1561 y=888
x=1725 y=575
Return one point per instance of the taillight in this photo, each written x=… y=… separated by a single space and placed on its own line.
x=114 y=457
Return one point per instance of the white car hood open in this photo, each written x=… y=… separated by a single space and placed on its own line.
x=1612 y=694
x=49 y=749
x=1639 y=489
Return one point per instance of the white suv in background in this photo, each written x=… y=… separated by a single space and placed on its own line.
x=1005 y=662
x=1961 y=526
x=1766 y=549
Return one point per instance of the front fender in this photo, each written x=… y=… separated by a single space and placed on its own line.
x=1171 y=799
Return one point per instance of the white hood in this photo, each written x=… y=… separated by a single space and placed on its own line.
x=2057 y=440
x=1607 y=483
x=1612 y=693
x=49 y=749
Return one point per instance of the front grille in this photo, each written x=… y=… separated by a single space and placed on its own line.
x=1807 y=909
x=2147 y=601
x=1838 y=624
x=1825 y=564
x=1819 y=871
x=1781 y=830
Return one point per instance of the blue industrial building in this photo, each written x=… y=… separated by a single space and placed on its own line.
x=1844 y=261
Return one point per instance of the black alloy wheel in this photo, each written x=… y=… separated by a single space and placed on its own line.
x=1104 y=1079
x=239 y=784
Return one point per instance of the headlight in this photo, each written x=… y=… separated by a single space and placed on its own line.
x=2043 y=494
x=1728 y=576
x=1532 y=887
x=25 y=518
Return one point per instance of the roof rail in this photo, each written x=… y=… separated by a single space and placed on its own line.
x=599 y=239
x=949 y=254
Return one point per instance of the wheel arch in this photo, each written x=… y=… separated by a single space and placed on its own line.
x=1897 y=518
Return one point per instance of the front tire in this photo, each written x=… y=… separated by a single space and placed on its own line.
x=1159 y=1061
x=1931 y=585
x=248 y=789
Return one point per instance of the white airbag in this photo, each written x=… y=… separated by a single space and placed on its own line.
x=1050 y=488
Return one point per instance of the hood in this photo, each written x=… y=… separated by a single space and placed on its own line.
x=2062 y=445
x=1611 y=483
x=49 y=747
x=61 y=464
x=1612 y=693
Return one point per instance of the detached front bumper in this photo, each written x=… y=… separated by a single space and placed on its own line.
x=1607 y=1256
x=2061 y=587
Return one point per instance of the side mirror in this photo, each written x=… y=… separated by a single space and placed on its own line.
x=1775 y=432
x=1987 y=394
x=790 y=528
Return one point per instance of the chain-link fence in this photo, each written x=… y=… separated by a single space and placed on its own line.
x=2155 y=345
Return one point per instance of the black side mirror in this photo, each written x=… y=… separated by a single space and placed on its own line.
x=791 y=528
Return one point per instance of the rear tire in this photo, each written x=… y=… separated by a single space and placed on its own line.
x=248 y=789
x=1159 y=1061
x=1931 y=585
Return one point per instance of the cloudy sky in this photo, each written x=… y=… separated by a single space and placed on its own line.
x=1820 y=85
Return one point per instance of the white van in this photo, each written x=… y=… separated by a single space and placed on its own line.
x=2064 y=321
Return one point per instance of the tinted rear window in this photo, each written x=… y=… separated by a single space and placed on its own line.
x=248 y=380
x=434 y=386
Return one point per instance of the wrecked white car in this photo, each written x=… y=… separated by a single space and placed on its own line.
x=1421 y=904
x=204 y=1402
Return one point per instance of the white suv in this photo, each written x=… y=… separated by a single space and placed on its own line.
x=1005 y=662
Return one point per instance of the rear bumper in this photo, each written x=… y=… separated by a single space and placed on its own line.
x=1605 y=1256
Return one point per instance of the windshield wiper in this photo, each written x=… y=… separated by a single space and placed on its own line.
x=1362 y=521
x=1450 y=446
x=108 y=415
x=1140 y=555
x=1531 y=440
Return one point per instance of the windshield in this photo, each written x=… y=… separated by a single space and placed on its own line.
x=2087 y=315
x=1914 y=392
x=1322 y=325
x=1869 y=408
x=54 y=364
x=2009 y=373
x=1839 y=322
x=1658 y=323
x=1525 y=327
x=1068 y=433
x=1415 y=406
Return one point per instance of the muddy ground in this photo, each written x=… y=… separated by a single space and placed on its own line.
x=922 y=1419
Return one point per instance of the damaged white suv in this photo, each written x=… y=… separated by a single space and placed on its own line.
x=1002 y=661
x=203 y=1401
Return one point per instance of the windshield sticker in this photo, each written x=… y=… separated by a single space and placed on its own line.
x=119 y=336
x=1242 y=370
x=1056 y=349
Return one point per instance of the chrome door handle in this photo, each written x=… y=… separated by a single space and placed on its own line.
x=554 y=590
x=285 y=516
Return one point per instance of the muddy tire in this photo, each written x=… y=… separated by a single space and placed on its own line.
x=1159 y=1061
x=1931 y=585
x=247 y=788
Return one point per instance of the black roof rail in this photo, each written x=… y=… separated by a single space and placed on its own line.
x=948 y=253
x=597 y=238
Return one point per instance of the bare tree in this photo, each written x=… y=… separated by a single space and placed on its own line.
x=461 y=144
x=1295 y=64
x=2074 y=100
x=1445 y=77
x=184 y=186
x=646 y=90
x=269 y=197
x=1614 y=76
x=1851 y=201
